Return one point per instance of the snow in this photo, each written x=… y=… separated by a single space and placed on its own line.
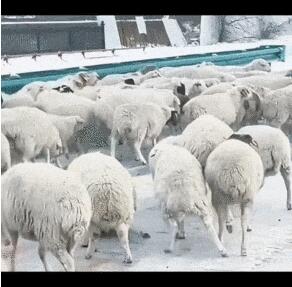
x=53 y=62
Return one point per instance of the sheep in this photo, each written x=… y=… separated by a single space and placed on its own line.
x=180 y=188
x=203 y=72
x=234 y=172
x=275 y=107
x=250 y=73
x=79 y=80
x=136 y=122
x=18 y=100
x=67 y=127
x=112 y=194
x=5 y=154
x=197 y=88
x=230 y=107
x=274 y=149
x=137 y=78
x=202 y=135
x=220 y=88
x=255 y=65
x=271 y=81
x=31 y=131
x=43 y=203
x=106 y=106
x=67 y=104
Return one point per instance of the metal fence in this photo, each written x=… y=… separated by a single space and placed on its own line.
x=41 y=37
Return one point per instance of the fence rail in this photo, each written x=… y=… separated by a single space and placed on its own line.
x=47 y=37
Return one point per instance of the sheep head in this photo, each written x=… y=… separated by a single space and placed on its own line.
x=246 y=138
x=198 y=87
x=259 y=65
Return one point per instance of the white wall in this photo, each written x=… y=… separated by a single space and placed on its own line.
x=111 y=33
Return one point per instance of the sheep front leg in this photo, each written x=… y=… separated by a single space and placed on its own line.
x=208 y=222
x=286 y=176
x=173 y=232
x=42 y=255
x=123 y=233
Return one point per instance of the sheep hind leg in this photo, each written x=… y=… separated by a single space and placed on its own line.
x=113 y=145
x=222 y=213
x=48 y=155
x=229 y=220
x=208 y=222
x=42 y=255
x=181 y=230
x=286 y=176
x=173 y=231
x=243 y=208
x=14 y=239
x=123 y=234
x=91 y=243
x=139 y=156
x=65 y=259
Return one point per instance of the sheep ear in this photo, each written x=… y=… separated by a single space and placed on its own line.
x=83 y=77
x=78 y=83
x=244 y=92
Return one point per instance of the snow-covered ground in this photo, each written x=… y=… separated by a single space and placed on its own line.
x=269 y=243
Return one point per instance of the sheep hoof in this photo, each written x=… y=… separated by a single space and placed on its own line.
x=180 y=236
x=249 y=229
x=88 y=256
x=243 y=252
x=128 y=260
x=289 y=206
x=144 y=163
x=167 y=251
x=7 y=242
x=145 y=235
x=84 y=245
x=224 y=253
x=95 y=250
x=229 y=228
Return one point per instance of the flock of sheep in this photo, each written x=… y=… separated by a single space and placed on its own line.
x=216 y=133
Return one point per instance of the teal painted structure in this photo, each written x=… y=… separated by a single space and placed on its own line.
x=237 y=57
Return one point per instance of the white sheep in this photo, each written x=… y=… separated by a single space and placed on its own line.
x=43 y=203
x=272 y=82
x=255 y=65
x=230 y=107
x=274 y=149
x=69 y=104
x=234 y=172
x=220 y=88
x=112 y=195
x=202 y=136
x=180 y=188
x=68 y=126
x=18 y=100
x=137 y=122
x=5 y=154
x=203 y=72
x=106 y=106
x=133 y=78
x=276 y=106
x=31 y=131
